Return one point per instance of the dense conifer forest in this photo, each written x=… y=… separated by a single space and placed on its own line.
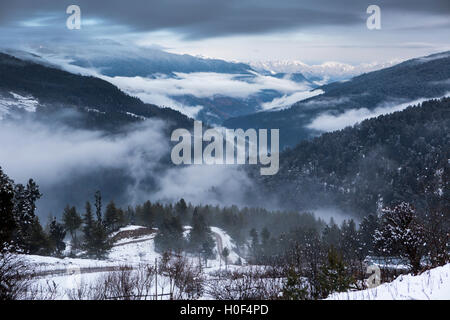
x=383 y=161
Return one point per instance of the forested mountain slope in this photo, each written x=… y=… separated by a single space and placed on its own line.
x=404 y=156
x=77 y=134
x=103 y=105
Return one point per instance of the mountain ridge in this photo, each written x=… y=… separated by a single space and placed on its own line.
x=425 y=77
x=57 y=89
x=402 y=156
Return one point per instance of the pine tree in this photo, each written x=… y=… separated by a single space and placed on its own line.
x=72 y=222
x=18 y=223
x=170 y=236
x=181 y=211
x=96 y=240
x=57 y=235
x=112 y=217
x=294 y=288
x=88 y=220
x=265 y=236
x=332 y=234
x=350 y=246
x=225 y=255
x=24 y=212
x=98 y=206
x=121 y=219
x=207 y=251
x=130 y=216
x=7 y=221
x=100 y=242
x=401 y=234
x=40 y=242
x=255 y=251
x=437 y=233
x=145 y=215
x=334 y=276
x=366 y=234
x=201 y=240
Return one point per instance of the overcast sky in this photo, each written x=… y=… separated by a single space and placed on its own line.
x=244 y=30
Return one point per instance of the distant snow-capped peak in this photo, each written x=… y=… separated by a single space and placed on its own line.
x=331 y=70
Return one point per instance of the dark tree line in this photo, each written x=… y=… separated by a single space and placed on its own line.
x=21 y=230
x=334 y=257
x=19 y=226
x=199 y=241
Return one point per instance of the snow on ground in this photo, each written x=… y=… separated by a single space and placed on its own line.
x=130 y=251
x=391 y=263
x=222 y=240
x=137 y=249
x=433 y=284
x=126 y=251
x=186 y=230
x=133 y=249
x=40 y=264
x=131 y=228
x=127 y=241
x=65 y=284
x=227 y=242
x=136 y=116
x=127 y=228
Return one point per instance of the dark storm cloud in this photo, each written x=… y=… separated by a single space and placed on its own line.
x=209 y=18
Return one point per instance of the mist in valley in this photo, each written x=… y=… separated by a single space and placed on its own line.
x=71 y=164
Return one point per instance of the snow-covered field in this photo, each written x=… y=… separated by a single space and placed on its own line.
x=69 y=274
x=433 y=284
x=126 y=251
x=132 y=252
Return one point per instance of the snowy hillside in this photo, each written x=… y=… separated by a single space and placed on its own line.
x=433 y=284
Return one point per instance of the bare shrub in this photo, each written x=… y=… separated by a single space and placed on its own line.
x=437 y=231
x=42 y=291
x=254 y=283
x=120 y=284
x=14 y=277
x=82 y=292
x=185 y=278
x=124 y=284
